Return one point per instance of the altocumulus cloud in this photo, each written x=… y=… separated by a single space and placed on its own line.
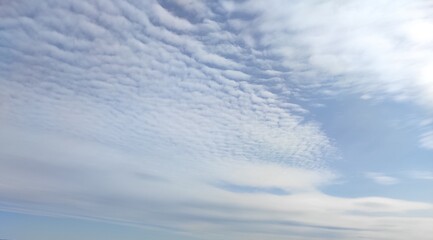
x=137 y=111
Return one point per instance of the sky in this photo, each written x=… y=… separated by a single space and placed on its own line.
x=183 y=119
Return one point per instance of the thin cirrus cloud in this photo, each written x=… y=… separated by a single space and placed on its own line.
x=426 y=140
x=423 y=175
x=381 y=178
x=194 y=117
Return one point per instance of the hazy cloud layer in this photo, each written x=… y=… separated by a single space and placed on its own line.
x=75 y=178
x=194 y=117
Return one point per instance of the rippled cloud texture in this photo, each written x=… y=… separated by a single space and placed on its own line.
x=195 y=117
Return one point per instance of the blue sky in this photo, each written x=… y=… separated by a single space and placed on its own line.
x=216 y=119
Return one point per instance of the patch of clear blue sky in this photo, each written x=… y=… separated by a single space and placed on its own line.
x=17 y=226
x=376 y=136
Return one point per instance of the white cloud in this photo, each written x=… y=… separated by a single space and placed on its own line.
x=377 y=49
x=418 y=31
x=164 y=89
x=69 y=177
x=381 y=178
x=116 y=111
